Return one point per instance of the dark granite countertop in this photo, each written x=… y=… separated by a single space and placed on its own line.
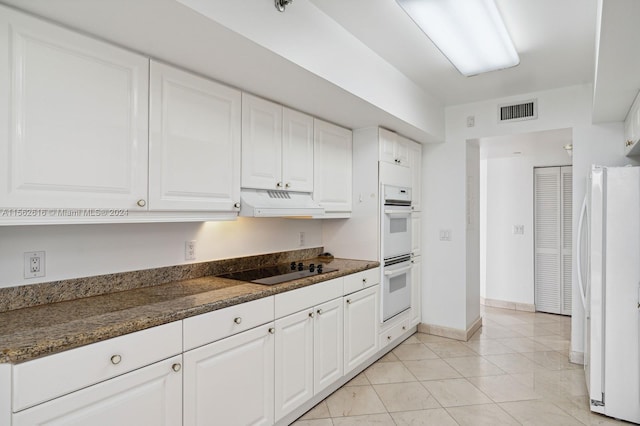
x=35 y=331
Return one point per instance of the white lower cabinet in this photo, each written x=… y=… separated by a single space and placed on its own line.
x=309 y=354
x=360 y=327
x=294 y=361
x=230 y=382
x=149 y=396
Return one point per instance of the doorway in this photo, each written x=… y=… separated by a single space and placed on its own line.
x=507 y=210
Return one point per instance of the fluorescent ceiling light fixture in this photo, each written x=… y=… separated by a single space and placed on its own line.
x=470 y=33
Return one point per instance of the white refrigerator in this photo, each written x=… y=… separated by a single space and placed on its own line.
x=611 y=290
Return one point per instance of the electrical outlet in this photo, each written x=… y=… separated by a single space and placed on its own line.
x=445 y=235
x=301 y=238
x=190 y=250
x=34 y=264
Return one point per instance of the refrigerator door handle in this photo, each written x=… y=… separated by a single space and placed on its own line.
x=583 y=291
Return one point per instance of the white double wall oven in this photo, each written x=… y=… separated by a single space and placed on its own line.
x=396 y=250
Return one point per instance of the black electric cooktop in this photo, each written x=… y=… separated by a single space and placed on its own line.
x=277 y=274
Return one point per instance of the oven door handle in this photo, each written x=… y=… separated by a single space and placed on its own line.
x=398 y=212
x=397 y=271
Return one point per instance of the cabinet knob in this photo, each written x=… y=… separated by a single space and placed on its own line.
x=628 y=143
x=287 y=185
x=404 y=327
x=236 y=205
x=279 y=185
x=310 y=314
x=364 y=281
x=348 y=301
x=388 y=337
x=176 y=367
x=237 y=320
x=319 y=311
x=141 y=203
x=115 y=359
x=272 y=330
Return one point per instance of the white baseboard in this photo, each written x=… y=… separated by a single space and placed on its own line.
x=451 y=333
x=576 y=357
x=504 y=304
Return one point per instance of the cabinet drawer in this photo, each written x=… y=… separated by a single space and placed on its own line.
x=360 y=280
x=392 y=334
x=55 y=375
x=216 y=325
x=296 y=300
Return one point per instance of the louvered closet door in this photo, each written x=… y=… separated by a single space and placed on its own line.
x=553 y=240
x=566 y=195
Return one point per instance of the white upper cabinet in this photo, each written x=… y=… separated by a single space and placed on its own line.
x=277 y=146
x=415 y=164
x=194 y=145
x=261 y=143
x=632 y=129
x=73 y=115
x=332 y=168
x=297 y=151
x=394 y=148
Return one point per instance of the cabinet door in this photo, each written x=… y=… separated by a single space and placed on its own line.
x=230 y=382
x=297 y=151
x=402 y=151
x=328 y=344
x=416 y=291
x=73 y=119
x=360 y=327
x=388 y=141
x=149 y=396
x=261 y=143
x=332 y=167
x=194 y=148
x=415 y=164
x=294 y=362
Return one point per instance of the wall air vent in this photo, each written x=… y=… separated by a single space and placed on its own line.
x=279 y=194
x=527 y=110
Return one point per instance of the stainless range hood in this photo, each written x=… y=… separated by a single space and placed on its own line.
x=266 y=203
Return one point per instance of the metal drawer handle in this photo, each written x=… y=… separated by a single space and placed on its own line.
x=388 y=337
x=141 y=203
x=237 y=320
x=176 y=367
x=364 y=281
x=310 y=314
x=404 y=327
x=236 y=205
x=319 y=311
x=115 y=359
x=279 y=185
x=287 y=185
x=272 y=330
x=348 y=301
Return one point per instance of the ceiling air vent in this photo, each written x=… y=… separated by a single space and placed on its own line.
x=527 y=110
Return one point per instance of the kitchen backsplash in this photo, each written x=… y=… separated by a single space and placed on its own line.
x=57 y=291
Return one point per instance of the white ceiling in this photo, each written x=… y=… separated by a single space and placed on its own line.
x=556 y=40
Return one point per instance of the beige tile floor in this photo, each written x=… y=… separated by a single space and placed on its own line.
x=513 y=371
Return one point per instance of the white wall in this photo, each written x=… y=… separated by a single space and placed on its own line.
x=508 y=200
x=473 y=233
x=444 y=172
x=74 y=251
